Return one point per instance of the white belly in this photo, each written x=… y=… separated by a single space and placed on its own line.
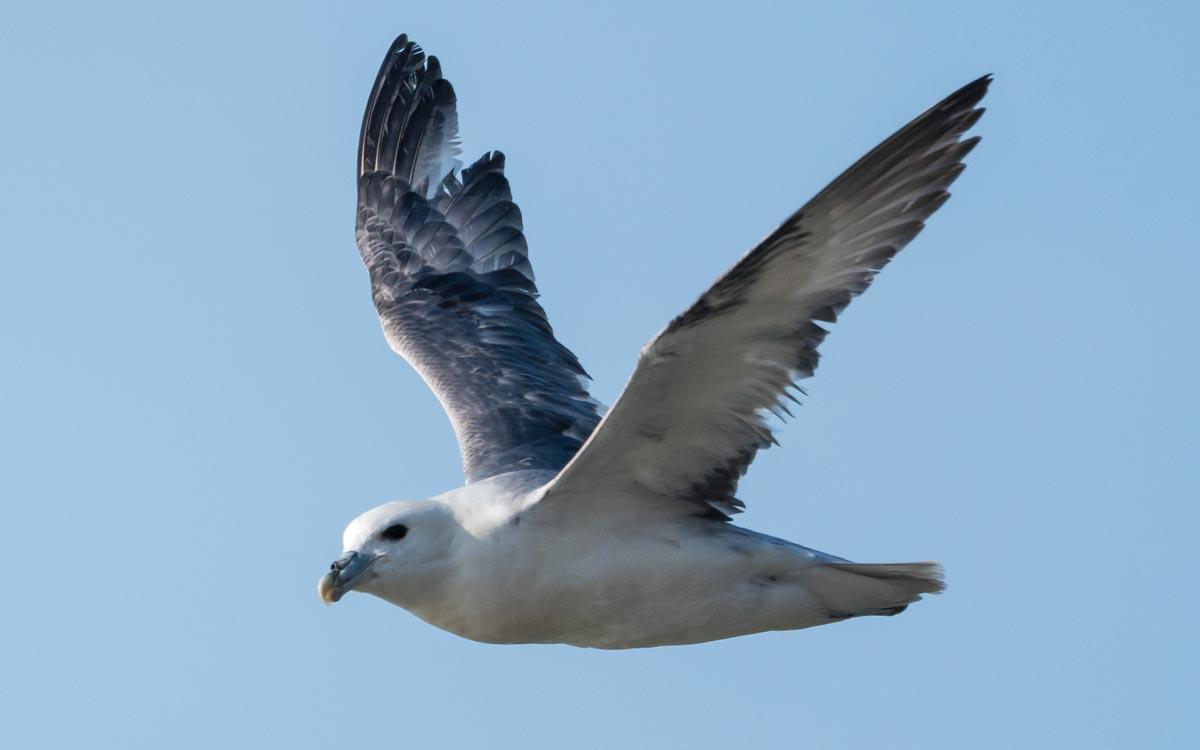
x=639 y=587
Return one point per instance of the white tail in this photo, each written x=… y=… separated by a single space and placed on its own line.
x=857 y=589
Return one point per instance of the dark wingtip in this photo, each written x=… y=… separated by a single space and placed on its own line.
x=402 y=45
x=971 y=94
x=982 y=81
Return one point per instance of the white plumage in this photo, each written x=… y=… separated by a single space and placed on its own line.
x=613 y=533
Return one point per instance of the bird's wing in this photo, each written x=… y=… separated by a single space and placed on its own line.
x=693 y=415
x=452 y=283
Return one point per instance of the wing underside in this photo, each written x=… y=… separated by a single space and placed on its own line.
x=452 y=283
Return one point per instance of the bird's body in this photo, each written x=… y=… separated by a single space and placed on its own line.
x=627 y=586
x=614 y=580
x=611 y=533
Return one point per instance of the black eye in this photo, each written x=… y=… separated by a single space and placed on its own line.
x=394 y=533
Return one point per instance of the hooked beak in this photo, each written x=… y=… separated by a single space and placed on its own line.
x=344 y=573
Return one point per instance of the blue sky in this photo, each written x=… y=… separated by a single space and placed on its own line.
x=197 y=398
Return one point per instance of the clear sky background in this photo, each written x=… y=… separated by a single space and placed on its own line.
x=196 y=396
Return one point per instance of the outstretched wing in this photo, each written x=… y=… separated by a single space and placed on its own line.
x=452 y=283
x=693 y=415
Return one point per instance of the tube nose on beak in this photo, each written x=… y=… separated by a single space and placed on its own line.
x=343 y=561
x=343 y=574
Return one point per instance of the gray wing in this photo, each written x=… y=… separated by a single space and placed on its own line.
x=451 y=279
x=693 y=416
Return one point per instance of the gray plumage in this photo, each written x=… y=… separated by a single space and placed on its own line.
x=693 y=416
x=451 y=279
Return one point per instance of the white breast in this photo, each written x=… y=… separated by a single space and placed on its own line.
x=614 y=586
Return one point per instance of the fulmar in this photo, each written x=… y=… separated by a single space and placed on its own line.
x=611 y=529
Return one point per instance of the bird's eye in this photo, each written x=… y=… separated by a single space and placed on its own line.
x=395 y=532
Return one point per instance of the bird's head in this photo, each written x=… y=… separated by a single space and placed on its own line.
x=393 y=551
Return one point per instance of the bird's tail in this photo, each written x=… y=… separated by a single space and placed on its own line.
x=856 y=589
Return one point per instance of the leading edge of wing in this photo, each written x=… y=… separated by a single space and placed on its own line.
x=694 y=414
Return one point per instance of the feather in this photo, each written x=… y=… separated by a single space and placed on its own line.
x=451 y=279
x=707 y=382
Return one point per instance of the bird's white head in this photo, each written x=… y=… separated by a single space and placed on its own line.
x=398 y=552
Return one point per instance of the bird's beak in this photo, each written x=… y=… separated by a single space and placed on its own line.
x=344 y=573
